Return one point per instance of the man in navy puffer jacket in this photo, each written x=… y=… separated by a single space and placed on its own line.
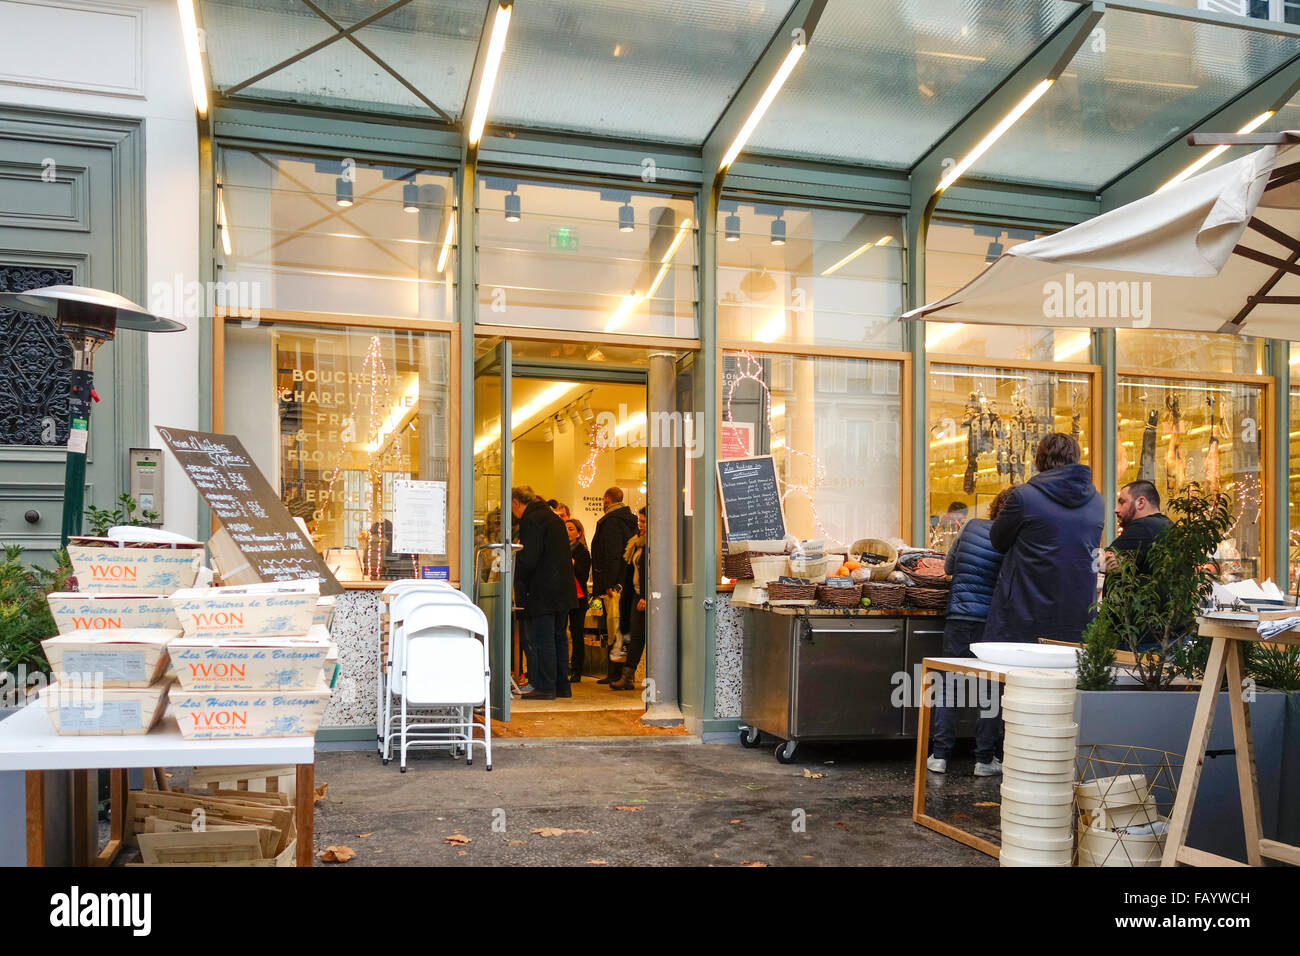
x=974 y=564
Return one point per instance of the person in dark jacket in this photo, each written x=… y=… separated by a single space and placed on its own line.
x=1137 y=512
x=974 y=565
x=1049 y=531
x=544 y=593
x=634 y=591
x=582 y=575
x=608 y=568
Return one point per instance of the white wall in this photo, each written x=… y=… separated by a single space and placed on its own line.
x=126 y=59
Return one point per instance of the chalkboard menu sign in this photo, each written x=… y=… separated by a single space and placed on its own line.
x=249 y=510
x=751 y=500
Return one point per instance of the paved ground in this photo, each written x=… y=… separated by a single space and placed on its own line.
x=684 y=803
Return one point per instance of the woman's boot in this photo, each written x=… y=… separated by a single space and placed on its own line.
x=627 y=681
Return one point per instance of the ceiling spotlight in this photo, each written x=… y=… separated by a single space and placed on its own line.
x=626 y=217
x=995 y=250
x=732 y=226
x=587 y=413
x=512 y=207
x=562 y=424
x=410 y=198
x=575 y=416
x=778 y=231
x=547 y=433
x=343 y=192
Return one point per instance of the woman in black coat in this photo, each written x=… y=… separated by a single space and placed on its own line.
x=578 y=616
x=544 y=593
x=635 y=589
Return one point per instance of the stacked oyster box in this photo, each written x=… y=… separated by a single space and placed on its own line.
x=1038 y=768
x=109 y=661
x=1119 y=822
x=253 y=661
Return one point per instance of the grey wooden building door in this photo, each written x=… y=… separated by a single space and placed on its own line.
x=71 y=211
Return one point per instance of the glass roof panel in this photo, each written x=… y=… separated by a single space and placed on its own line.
x=1140 y=83
x=881 y=83
x=660 y=71
x=430 y=43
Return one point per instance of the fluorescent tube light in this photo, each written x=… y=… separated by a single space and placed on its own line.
x=993 y=135
x=769 y=94
x=488 y=80
x=1213 y=154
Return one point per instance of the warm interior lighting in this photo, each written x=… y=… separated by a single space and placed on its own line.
x=193 y=55
x=934 y=334
x=223 y=226
x=496 y=46
x=635 y=420
x=520 y=416
x=882 y=241
x=993 y=135
x=1295 y=358
x=769 y=94
x=446 y=241
x=630 y=302
x=1071 y=347
x=404 y=406
x=774 y=328
x=667 y=259
x=1218 y=151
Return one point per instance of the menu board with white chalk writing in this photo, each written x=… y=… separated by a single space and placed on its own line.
x=247 y=507
x=751 y=499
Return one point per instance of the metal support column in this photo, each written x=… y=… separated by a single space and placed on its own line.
x=661 y=539
x=1279 y=360
x=1106 y=432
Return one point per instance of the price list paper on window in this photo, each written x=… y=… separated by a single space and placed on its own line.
x=247 y=507
x=419 y=517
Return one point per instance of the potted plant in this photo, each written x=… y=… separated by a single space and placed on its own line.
x=1151 y=702
x=25 y=619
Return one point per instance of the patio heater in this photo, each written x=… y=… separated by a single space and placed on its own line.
x=88 y=318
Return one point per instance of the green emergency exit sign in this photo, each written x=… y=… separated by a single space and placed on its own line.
x=564 y=238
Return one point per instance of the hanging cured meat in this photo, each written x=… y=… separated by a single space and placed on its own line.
x=1212 y=453
x=1175 y=462
x=1121 y=454
x=1147 y=463
x=972 y=424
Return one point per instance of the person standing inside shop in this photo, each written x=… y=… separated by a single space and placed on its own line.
x=544 y=593
x=615 y=527
x=634 y=596
x=581 y=558
x=973 y=563
x=1048 y=531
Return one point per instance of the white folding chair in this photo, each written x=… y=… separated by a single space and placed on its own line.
x=444 y=674
x=395 y=590
x=400 y=612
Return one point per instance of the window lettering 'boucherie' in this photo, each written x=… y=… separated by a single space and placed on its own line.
x=249 y=510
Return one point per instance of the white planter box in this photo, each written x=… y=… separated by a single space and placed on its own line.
x=130 y=657
x=248 y=663
x=246 y=611
x=74 y=611
x=113 y=570
x=84 y=710
x=250 y=713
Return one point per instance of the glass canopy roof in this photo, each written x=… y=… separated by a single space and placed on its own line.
x=881 y=83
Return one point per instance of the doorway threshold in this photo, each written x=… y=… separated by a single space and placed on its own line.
x=672 y=740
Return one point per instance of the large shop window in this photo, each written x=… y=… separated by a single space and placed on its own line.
x=985 y=425
x=586 y=259
x=833 y=426
x=958 y=252
x=334 y=416
x=334 y=235
x=1189 y=352
x=1201 y=435
x=1293 y=481
x=808 y=276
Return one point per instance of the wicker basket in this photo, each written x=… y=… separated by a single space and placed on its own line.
x=767 y=567
x=884 y=595
x=739 y=566
x=840 y=596
x=929 y=598
x=878 y=547
x=921 y=579
x=791 y=592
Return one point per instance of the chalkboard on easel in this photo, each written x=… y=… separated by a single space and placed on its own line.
x=249 y=510
x=751 y=499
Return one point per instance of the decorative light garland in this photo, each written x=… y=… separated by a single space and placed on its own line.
x=752 y=370
x=587 y=472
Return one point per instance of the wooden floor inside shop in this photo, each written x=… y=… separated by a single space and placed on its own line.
x=593 y=711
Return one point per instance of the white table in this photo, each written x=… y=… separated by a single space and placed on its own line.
x=974 y=667
x=29 y=743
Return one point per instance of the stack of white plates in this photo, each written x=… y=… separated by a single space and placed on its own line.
x=1038 y=768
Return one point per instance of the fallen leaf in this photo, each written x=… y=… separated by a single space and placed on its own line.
x=462 y=852
x=987 y=803
x=320 y=793
x=516 y=843
x=630 y=809
x=365 y=836
x=755 y=786
x=458 y=839
x=808 y=856
x=556 y=831
x=812 y=776
x=597 y=863
x=169 y=775
x=336 y=854
x=752 y=863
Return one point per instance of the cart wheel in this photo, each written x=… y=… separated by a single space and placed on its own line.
x=749 y=737
x=785 y=751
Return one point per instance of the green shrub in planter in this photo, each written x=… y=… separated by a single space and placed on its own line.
x=25 y=618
